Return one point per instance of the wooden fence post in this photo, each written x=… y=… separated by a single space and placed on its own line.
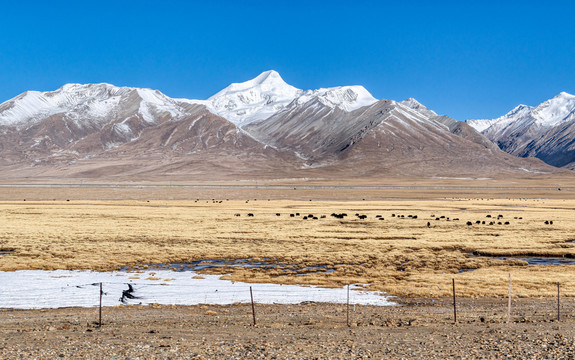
x=100 y=311
x=253 y=307
x=348 y=323
x=558 y=304
x=509 y=303
x=454 y=307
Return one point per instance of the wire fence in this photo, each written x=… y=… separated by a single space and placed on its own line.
x=117 y=293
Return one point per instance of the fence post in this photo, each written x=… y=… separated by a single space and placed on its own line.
x=454 y=307
x=348 y=324
x=558 y=304
x=253 y=307
x=509 y=303
x=100 y=311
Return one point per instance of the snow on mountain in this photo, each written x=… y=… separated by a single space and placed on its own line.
x=268 y=93
x=480 y=124
x=240 y=103
x=347 y=98
x=91 y=104
x=545 y=131
x=556 y=110
x=416 y=105
x=263 y=122
x=256 y=99
x=547 y=114
x=155 y=101
x=518 y=112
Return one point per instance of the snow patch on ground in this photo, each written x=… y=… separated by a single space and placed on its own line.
x=533 y=171
x=37 y=289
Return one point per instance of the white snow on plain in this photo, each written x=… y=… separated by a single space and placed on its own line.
x=37 y=289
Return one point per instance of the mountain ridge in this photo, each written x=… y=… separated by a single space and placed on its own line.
x=259 y=128
x=546 y=131
x=267 y=94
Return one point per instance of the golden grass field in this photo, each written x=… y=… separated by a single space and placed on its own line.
x=399 y=255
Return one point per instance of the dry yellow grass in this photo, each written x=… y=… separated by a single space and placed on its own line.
x=398 y=255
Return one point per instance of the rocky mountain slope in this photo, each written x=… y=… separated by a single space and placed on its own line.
x=546 y=131
x=261 y=128
x=102 y=130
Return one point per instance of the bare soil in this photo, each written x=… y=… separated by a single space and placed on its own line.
x=417 y=329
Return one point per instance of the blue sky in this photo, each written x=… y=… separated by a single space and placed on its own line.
x=466 y=59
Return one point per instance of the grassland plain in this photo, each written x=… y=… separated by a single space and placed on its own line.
x=413 y=249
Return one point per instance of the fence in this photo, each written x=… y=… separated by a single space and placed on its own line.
x=342 y=301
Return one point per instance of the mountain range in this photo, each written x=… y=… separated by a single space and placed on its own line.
x=261 y=128
x=546 y=131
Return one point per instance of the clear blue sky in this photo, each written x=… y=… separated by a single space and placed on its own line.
x=466 y=59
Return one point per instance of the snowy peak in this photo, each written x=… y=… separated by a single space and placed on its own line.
x=260 y=121
x=347 y=98
x=416 y=105
x=267 y=94
x=90 y=90
x=256 y=99
x=519 y=112
x=268 y=81
x=86 y=104
x=546 y=131
x=555 y=110
x=270 y=78
x=564 y=95
x=547 y=114
x=239 y=103
x=32 y=106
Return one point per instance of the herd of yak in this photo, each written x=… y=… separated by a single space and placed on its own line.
x=379 y=217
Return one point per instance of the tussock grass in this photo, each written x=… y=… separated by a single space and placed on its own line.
x=398 y=255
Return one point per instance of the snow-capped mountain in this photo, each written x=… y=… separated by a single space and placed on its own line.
x=546 y=131
x=520 y=111
x=86 y=105
x=259 y=128
x=75 y=111
x=415 y=105
x=268 y=94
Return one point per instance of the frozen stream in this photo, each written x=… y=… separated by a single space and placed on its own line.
x=35 y=289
